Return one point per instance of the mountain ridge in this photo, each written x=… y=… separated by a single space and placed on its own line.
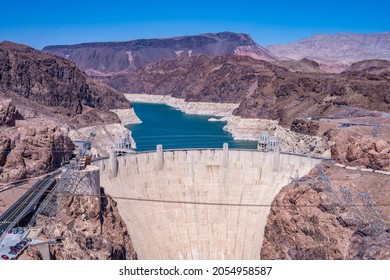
x=263 y=89
x=108 y=58
x=336 y=52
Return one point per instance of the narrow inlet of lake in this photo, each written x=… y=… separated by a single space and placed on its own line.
x=163 y=124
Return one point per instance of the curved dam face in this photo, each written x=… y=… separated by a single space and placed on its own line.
x=198 y=204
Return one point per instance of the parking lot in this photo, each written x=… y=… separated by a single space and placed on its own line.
x=12 y=238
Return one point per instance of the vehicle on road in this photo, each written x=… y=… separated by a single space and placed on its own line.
x=14 y=248
x=5 y=257
x=19 y=246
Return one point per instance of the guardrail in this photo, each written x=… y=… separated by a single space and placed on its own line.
x=213 y=149
x=329 y=160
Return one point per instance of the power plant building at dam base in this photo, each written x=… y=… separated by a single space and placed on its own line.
x=198 y=204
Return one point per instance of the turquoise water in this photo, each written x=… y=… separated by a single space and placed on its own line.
x=162 y=124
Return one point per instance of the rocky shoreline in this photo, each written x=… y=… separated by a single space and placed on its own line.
x=242 y=128
x=127 y=116
x=198 y=108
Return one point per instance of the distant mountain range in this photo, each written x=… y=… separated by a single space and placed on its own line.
x=333 y=53
x=102 y=59
x=338 y=51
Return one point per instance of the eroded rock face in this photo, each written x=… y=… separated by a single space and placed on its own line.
x=31 y=253
x=311 y=219
x=8 y=113
x=52 y=81
x=95 y=235
x=33 y=147
x=93 y=117
x=361 y=151
x=305 y=127
x=30 y=147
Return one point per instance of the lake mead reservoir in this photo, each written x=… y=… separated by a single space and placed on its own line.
x=163 y=124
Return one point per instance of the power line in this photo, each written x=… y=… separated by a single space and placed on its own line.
x=212 y=203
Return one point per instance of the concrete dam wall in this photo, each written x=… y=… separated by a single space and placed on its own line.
x=198 y=204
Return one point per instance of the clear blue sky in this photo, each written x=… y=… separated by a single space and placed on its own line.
x=41 y=23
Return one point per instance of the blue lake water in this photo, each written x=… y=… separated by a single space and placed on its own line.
x=162 y=124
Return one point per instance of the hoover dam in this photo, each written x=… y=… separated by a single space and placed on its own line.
x=198 y=204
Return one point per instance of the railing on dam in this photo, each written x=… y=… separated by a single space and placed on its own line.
x=329 y=160
x=213 y=149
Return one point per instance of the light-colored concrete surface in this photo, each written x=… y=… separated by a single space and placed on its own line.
x=43 y=247
x=89 y=183
x=200 y=204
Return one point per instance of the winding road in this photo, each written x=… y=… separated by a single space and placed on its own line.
x=25 y=204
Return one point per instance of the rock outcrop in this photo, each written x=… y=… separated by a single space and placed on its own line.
x=303 y=65
x=305 y=127
x=94 y=234
x=53 y=81
x=332 y=213
x=105 y=59
x=354 y=149
x=8 y=113
x=31 y=148
x=370 y=69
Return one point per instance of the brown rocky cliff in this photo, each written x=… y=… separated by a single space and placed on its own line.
x=32 y=148
x=49 y=95
x=95 y=235
x=8 y=113
x=354 y=149
x=304 y=126
x=330 y=214
x=52 y=81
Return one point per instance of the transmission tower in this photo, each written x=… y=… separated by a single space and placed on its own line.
x=361 y=208
x=72 y=181
x=376 y=131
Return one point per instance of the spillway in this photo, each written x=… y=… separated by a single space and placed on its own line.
x=198 y=204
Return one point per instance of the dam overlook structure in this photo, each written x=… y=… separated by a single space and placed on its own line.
x=207 y=204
